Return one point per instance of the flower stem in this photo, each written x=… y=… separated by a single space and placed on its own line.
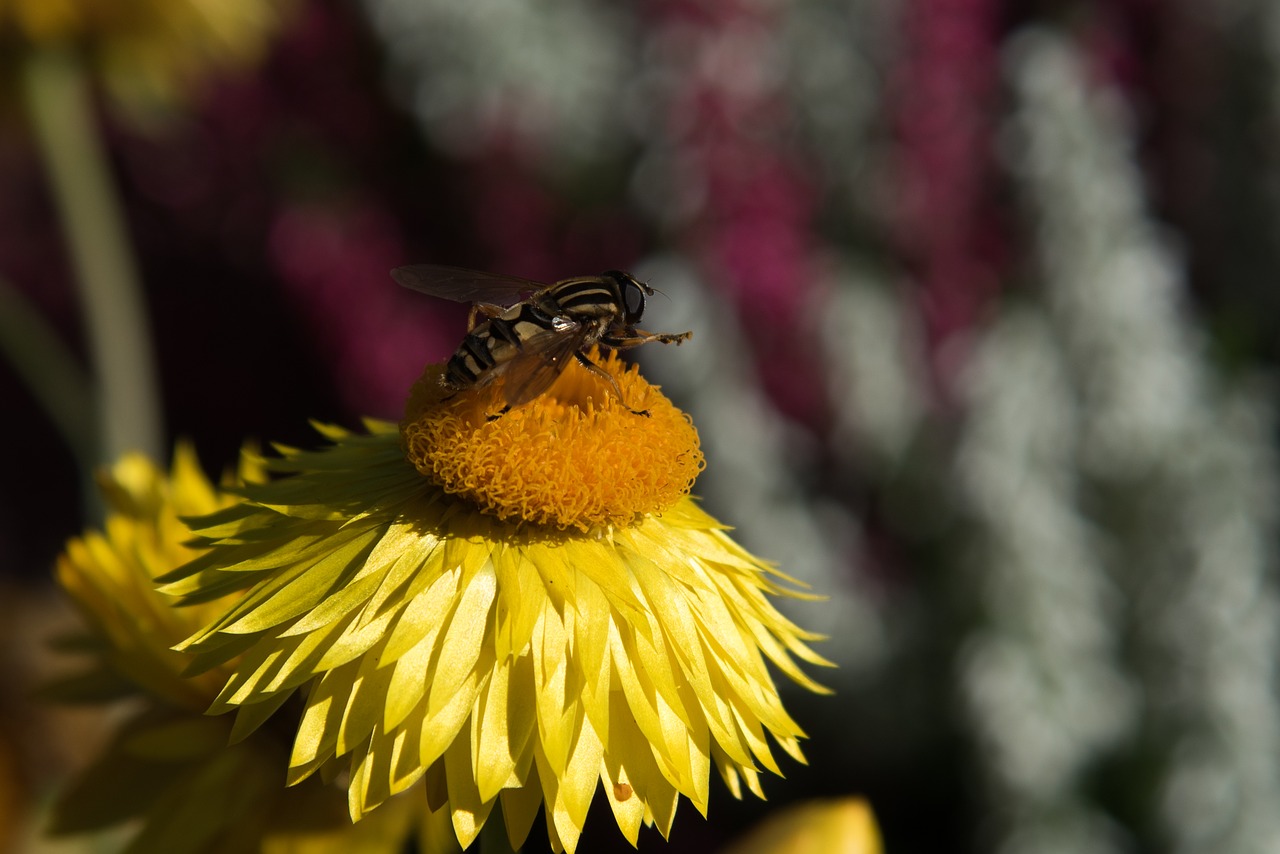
x=60 y=106
x=51 y=372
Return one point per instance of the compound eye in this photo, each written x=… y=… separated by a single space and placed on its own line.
x=633 y=296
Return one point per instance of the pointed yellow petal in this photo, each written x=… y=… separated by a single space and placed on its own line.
x=520 y=809
x=555 y=726
x=462 y=643
x=439 y=729
x=365 y=702
x=627 y=806
x=495 y=763
x=581 y=776
x=470 y=812
x=318 y=731
x=561 y=829
x=423 y=616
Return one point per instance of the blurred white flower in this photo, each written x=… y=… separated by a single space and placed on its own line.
x=490 y=72
x=1039 y=677
x=1184 y=462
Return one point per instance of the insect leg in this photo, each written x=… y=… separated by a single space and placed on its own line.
x=488 y=309
x=639 y=336
x=601 y=372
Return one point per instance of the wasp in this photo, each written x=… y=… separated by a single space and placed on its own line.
x=532 y=330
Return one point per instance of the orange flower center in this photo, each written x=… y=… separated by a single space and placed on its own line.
x=575 y=457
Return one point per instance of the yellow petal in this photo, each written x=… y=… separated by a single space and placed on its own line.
x=461 y=644
x=627 y=806
x=495 y=763
x=581 y=776
x=318 y=730
x=629 y=756
x=365 y=703
x=423 y=616
x=555 y=726
x=440 y=728
x=470 y=812
x=520 y=809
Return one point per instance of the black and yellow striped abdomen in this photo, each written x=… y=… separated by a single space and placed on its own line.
x=496 y=342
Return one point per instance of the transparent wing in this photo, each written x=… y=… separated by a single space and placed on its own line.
x=542 y=358
x=462 y=285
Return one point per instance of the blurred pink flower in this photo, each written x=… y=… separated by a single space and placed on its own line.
x=334 y=262
x=752 y=229
x=944 y=92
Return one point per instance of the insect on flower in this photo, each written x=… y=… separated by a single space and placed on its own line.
x=531 y=330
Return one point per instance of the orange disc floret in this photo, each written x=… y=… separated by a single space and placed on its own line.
x=574 y=457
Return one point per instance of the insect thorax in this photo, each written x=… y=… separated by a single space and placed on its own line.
x=594 y=299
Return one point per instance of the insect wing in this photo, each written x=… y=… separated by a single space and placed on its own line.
x=463 y=285
x=542 y=359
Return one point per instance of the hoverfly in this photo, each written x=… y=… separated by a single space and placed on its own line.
x=531 y=330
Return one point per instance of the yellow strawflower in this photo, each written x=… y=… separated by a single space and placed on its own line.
x=513 y=610
x=109 y=575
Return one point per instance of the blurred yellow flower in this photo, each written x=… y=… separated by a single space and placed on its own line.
x=149 y=50
x=109 y=575
x=169 y=764
x=468 y=601
x=844 y=826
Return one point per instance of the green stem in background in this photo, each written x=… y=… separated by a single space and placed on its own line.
x=55 y=378
x=60 y=106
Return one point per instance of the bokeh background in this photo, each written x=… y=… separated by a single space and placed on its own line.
x=985 y=312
